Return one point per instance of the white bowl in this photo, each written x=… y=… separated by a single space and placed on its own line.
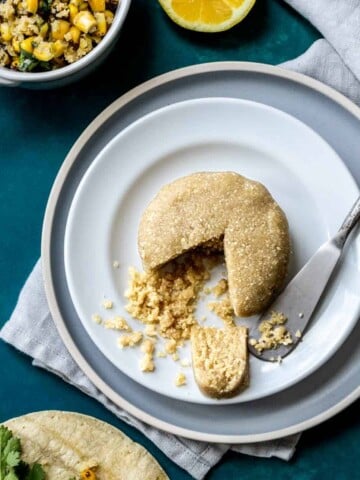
x=75 y=71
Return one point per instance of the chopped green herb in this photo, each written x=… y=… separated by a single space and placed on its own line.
x=10 y=451
x=27 y=63
x=36 y=473
x=45 y=7
x=11 y=465
x=45 y=66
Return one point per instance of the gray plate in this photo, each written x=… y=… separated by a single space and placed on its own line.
x=321 y=395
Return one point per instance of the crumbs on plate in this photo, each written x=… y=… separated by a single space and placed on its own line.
x=117 y=323
x=273 y=333
x=107 y=304
x=165 y=301
x=180 y=379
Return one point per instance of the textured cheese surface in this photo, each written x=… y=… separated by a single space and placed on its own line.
x=207 y=206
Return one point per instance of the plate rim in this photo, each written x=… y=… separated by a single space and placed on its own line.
x=49 y=220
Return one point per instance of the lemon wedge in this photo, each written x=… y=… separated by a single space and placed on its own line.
x=207 y=15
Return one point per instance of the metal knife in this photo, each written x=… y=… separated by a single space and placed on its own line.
x=299 y=299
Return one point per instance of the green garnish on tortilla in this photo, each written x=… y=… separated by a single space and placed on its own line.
x=11 y=465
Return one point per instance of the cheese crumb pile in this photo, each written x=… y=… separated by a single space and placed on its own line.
x=273 y=333
x=165 y=301
x=166 y=298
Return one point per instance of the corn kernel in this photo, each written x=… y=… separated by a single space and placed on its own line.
x=27 y=44
x=75 y=34
x=83 y=6
x=109 y=17
x=59 y=28
x=97 y=5
x=58 y=48
x=101 y=23
x=84 y=21
x=5 y=32
x=73 y=11
x=88 y=474
x=76 y=3
x=16 y=45
x=44 y=51
x=32 y=6
x=44 y=30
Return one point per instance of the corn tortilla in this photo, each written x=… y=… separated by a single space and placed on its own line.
x=66 y=443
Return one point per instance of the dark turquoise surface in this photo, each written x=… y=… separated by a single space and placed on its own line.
x=37 y=130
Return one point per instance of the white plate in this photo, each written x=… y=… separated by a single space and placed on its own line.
x=258 y=141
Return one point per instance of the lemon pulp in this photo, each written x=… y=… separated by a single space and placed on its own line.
x=207 y=15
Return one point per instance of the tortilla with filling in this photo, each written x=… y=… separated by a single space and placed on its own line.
x=65 y=444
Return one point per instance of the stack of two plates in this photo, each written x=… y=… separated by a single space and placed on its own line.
x=296 y=136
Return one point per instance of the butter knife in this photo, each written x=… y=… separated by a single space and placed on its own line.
x=299 y=299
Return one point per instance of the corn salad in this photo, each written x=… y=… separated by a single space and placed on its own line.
x=41 y=35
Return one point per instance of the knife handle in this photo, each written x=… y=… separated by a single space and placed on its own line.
x=349 y=223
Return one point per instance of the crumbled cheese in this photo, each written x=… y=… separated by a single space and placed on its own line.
x=224 y=310
x=107 y=304
x=185 y=362
x=220 y=288
x=60 y=9
x=170 y=346
x=180 y=379
x=117 y=323
x=116 y=264
x=147 y=346
x=130 y=340
x=175 y=357
x=301 y=315
x=298 y=334
x=161 y=354
x=273 y=333
x=147 y=363
x=167 y=297
x=150 y=330
x=72 y=54
x=96 y=318
x=4 y=58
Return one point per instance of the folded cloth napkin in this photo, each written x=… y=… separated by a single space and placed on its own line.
x=334 y=60
x=31 y=322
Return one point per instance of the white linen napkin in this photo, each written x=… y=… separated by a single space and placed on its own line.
x=335 y=60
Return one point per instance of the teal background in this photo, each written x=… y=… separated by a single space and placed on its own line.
x=37 y=130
